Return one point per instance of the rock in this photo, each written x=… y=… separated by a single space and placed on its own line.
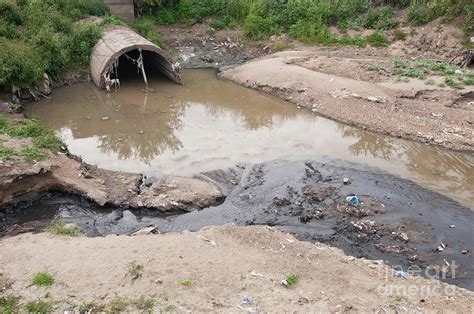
x=151 y=229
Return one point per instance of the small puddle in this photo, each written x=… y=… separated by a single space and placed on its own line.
x=211 y=124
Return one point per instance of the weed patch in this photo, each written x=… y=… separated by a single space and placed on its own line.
x=9 y=304
x=378 y=40
x=59 y=227
x=39 y=306
x=145 y=304
x=135 y=270
x=186 y=282
x=42 y=279
x=290 y=280
x=118 y=305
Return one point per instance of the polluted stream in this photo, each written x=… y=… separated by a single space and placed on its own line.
x=278 y=165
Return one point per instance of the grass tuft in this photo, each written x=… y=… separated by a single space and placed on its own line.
x=186 y=282
x=42 y=279
x=59 y=227
x=145 y=305
x=9 y=304
x=118 y=304
x=39 y=306
x=135 y=270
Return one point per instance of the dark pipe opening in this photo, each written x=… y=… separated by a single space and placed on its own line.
x=128 y=69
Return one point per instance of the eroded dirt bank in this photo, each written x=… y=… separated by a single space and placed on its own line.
x=351 y=94
x=95 y=270
x=23 y=181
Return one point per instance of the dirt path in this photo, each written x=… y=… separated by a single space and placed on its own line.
x=439 y=117
x=95 y=270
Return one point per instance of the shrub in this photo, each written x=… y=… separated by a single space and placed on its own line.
x=378 y=40
x=419 y=14
x=84 y=37
x=380 y=18
x=257 y=27
x=9 y=304
x=21 y=64
x=400 y=34
x=352 y=41
x=145 y=26
x=312 y=33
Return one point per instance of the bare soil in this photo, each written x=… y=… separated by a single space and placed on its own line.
x=198 y=272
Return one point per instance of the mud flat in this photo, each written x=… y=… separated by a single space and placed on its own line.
x=420 y=113
x=95 y=271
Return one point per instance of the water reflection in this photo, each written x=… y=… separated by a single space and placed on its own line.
x=208 y=124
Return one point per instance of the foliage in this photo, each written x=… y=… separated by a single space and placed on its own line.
x=59 y=227
x=145 y=26
x=5 y=152
x=186 y=282
x=291 y=280
x=400 y=34
x=352 y=41
x=9 y=304
x=145 y=305
x=380 y=18
x=281 y=46
x=257 y=27
x=39 y=306
x=377 y=39
x=42 y=279
x=43 y=36
x=118 y=305
x=135 y=270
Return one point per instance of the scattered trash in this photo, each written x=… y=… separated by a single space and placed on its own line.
x=353 y=200
x=255 y=274
x=247 y=301
x=452 y=226
x=302 y=301
x=15 y=99
x=209 y=241
x=440 y=247
x=346 y=181
x=141 y=132
x=400 y=274
x=105 y=118
x=464 y=251
x=151 y=229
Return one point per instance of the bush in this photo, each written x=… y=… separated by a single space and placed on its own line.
x=84 y=38
x=21 y=64
x=419 y=14
x=312 y=33
x=146 y=27
x=378 y=40
x=352 y=41
x=257 y=27
x=9 y=12
x=380 y=18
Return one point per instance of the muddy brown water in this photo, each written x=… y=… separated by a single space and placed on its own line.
x=211 y=124
x=268 y=152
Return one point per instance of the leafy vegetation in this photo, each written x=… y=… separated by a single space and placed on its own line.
x=41 y=138
x=42 y=279
x=9 y=304
x=377 y=39
x=186 y=282
x=291 y=280
x=118 y=305
x=145 y=305
x=43 y=36
x=39 y=306
x=59 y=227
x=135 y=270
x=454 y=76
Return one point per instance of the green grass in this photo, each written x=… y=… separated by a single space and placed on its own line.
x=281 y=47
x=186 y=282
x=42 y=279
x=145 y=305
x=291 y=280
x=378 y=40
x=400 y=34
x=39 y=306
x=5 y=152
x=9 y=304
x=32 y=154
x=454 y=76
x=134 y=270
x=117 y=305
x=169 y=308
x=59 y=227
x=91 y=307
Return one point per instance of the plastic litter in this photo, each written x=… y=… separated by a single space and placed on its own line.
x=247 y=300
x=15 y=99
x=400 y=274
x=346 y=181
x=353 y=200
